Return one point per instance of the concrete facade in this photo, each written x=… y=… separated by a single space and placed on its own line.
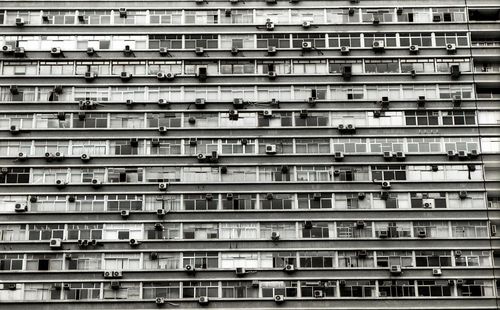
x=249 y=154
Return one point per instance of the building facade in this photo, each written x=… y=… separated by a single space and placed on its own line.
x=249 y=154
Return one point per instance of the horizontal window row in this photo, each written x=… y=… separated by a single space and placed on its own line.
x=277 y=290
x=240 y=41
x=127 y=203
x=201 y=68
x=245 y=118
x=464 y=147
x=248 y=260
x=251 y=94
x=234 y=16
x=288 y=230
x=242 y=174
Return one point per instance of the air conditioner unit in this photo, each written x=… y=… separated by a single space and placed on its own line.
x=55 y=243
x=347 y=72
x=163 y=186
x=134 y=242
x=155 y=142
x=471 y=167
x=436 y=18
x=240 y=271
x=395 y=269
x=81 y=18
x=361 y=195
x=162 y=129
x=376 y=20
x=378 y=45
x=125 y=76
x=83 y=243
x=428 y=203
x=163 y=51
x=399 y=11
x=400 y=156
x=474 y=154
x=455 y=71
x=269 y=26
x=189 y=268
x=90 y=51
x=351 y=11
x=33 y=199
x=436 y=271
x=345 y=50
x=199 y=102
x=435 y=168
x=269 y=196
x=20 y=207
x=421 y=234
x=383 y=234
x=289 y=268
x=61 y=184
x=4 y=170
x=362 y=253
x=22 y=156
x=123 y=12
x=125 y=213
x=271 y=50
x=279 y=299
x=19 y=21
x=235 y=50
x=387 y=155
x=350 y=128
x=85 y=157
x=201 y=157
x=462 y=155
x=161 y=212
x=229 y=196
x=199 y=51
x=14 y=129
x=493 y=230
x=160 y=300
x=49 y=156
x=421 y=101
x=115 y=285
x=56 y=51
x=457 y=101
x=203 y=300
x=209 y=197
x=414 y=49
x=270 y=149
x=233 y=115
x=318 y=294
x=161 y=76
x=7 y=49
x=272 y=75
x=339 y=156
x=462 y=194
x=238 y=103
x=89 y=76
x=306 y=24
x=451 y=48
x=96 y=183
x=19 y=51
x=306 y=46
x=129 y=102
x=275 y=236
x=267 y=113
x=386 y=184
x=360 y=224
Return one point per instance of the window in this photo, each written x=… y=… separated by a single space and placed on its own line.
x=388 y=173
x=357 y=288
x=201 y=40
x=201 y=260
x=238 y=289
x=277 y=201
x=397 y=288
x=433 y=288
x=317 y=230
x=315 y=201
x=434 y=258
x=273 y=288
x=200 y=202
x=167 y=290
x=195 y=289
x=201 y=231
x=317 y=259
x=385 y=259
x=351 y=230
